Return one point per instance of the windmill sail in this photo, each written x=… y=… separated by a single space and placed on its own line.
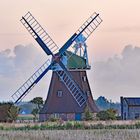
x=72 y=86
x=50 y=48
x=31 y=82
x=86 y=30
x=39 y=34
x=89 y=25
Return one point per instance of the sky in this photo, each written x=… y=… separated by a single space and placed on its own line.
x=113 y=48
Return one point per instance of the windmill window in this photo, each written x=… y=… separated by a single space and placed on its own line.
x=56 y=115
x=60 y=79
x=59 y=93
x=84 y=78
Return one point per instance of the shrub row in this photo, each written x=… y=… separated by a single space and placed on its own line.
x=71 y=125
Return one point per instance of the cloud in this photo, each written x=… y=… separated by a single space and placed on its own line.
x=6 y=65
x=119 y=75
x=16 y=67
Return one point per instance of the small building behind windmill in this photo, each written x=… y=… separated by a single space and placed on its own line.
x=130 y=108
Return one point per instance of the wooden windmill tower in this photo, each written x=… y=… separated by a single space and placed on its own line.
x=69 y=92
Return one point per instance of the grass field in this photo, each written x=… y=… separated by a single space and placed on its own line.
x=89 y=130
x=72 y=135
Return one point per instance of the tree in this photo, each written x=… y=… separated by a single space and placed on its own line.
x=102 y=115
x=8 y=112
x=109 y=114
x=35 y=111
x=87 y=114
x=39 y=102
x=103 y=103
x=112 y=114
x=13 y=113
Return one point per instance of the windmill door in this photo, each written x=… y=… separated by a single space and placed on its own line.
x=78 y=116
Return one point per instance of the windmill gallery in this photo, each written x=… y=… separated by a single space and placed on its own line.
x=69 y=91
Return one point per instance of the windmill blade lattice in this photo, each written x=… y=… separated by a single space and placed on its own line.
x=86 y=30
x=71 y=85
x=39 y=34
x=89 y=25
x=31 y=82
x=50 y=48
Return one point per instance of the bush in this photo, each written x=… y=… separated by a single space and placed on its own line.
x=137 y=125
x=68 y=125
x=36 y=127
x=109 y=114
x=78 y=125
x=53 y=119
x=8 y=112
x=43 y=127
x=87 y=114
x=1 y=128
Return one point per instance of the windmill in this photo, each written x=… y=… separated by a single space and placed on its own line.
x=69 y=92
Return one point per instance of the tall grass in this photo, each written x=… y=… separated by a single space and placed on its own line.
x=103 y=134
x=71 y=130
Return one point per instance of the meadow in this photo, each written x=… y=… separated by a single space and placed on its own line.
x=71 y=130
x=100 y=134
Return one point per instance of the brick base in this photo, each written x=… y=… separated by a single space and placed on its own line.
x=63 y=116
